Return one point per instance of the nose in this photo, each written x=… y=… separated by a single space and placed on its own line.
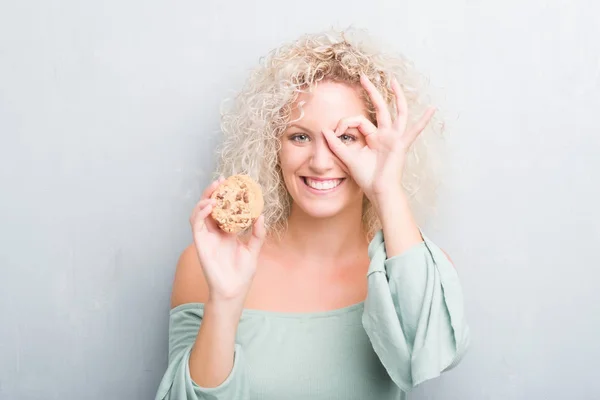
x=322 y=159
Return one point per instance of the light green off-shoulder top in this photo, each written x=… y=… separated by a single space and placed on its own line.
x=410 y=328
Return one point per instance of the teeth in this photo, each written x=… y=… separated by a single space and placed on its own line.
x=323 y=185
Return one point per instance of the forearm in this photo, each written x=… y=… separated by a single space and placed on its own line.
x=212 y=356
x=400 y=229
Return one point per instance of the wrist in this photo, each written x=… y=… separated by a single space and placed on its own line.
x=229 y=297
x=226 y=309
x=397 y=221
x=389 y=201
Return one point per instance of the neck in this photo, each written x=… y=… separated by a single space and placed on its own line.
x=321 y=238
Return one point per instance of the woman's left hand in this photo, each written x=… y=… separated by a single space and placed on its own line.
x=377 y=167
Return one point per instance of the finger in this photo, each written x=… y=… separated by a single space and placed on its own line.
x=384 y=118
x=258 y=235
x=362 y=123
x=210 y=223
x=204 y=212
x=336 y=145
x=401 y=105
x=200 y=214
x=411 y=135
x=199 y=206
x=210 y=189
x=201 y=218
x=205 y=202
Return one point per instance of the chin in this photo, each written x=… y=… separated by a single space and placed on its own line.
x=321 y=211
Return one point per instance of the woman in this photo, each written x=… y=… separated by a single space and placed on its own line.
x=335 y=293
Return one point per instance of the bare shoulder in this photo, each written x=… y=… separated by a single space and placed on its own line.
x=189 y=285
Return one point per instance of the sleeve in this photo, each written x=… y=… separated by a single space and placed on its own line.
x=414 y=312
x=177 y=384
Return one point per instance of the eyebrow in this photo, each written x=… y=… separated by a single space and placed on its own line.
x=311 y=132
x=300 y=127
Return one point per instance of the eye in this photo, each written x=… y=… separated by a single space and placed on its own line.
x=347 y=138
x=299 y=137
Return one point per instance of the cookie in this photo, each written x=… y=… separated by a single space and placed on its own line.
x=239 y=203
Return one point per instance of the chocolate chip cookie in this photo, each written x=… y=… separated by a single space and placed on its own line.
x=239 y=203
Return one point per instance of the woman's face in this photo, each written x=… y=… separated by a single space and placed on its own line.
x=318 y=182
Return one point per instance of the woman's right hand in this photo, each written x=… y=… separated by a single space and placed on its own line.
x=228 y=263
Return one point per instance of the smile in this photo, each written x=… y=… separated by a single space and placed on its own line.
x=322 y=185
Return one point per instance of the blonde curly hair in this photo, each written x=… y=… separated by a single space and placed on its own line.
x=258 y=116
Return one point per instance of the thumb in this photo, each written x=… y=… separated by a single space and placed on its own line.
x=336 y=145
x=258 y=235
